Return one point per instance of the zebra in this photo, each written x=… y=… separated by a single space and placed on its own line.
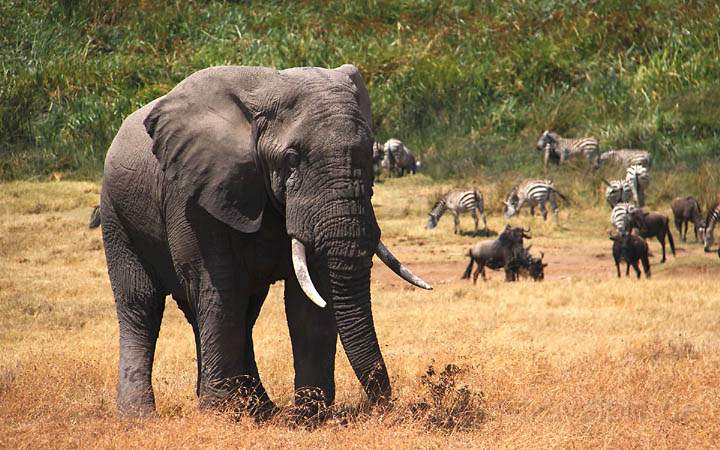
x=398 y=158
x=626 y=157
x=617 y=191
x=459 y=201
x=620 y=217
x=639 y=179
x=713 y=217
x=534 y=193
x=558 y=149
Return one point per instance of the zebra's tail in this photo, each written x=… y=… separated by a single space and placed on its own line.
x=670 y=238
x=565 y=199
x=95 y=218
x=466 y=275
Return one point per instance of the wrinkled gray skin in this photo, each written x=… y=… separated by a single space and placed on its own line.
x=202 y=192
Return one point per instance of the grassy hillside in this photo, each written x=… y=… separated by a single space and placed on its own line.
x=468 y=85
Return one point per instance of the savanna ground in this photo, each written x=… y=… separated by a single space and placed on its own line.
x=580 y=360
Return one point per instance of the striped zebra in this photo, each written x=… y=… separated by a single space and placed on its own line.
x=459 y=201
x=534 y=193
x=626 y=157
x=617 y=191
x=558 y=149
x=713 y=217
x=398 y=158
x=639 y=179
x=620 y=217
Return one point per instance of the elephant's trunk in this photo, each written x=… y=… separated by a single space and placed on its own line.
x=351 y=302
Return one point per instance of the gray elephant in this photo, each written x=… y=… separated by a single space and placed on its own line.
x=237 y=178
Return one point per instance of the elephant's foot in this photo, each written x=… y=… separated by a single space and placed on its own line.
x=243 y=395
x=133 y=402
x=312 y=406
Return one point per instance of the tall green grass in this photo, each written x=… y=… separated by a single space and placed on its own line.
x=468 y=85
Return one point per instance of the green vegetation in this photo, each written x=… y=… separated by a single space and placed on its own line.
x=468 y=85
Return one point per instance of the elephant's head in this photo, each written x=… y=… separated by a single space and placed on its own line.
x=242 y=140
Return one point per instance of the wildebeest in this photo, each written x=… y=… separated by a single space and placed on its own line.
x=653 y=224
x=526 y=263
x=502 y=252
x=685 y=210
x=631 y=249
x=398 y=158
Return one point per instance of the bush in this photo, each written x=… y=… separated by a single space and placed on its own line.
x=468 y=86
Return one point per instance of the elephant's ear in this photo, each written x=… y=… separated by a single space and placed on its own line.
x=203 y=138
x=363 y=96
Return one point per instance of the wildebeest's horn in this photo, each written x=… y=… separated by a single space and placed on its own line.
x=542 y=255
x=299 y=261
x=396 y=266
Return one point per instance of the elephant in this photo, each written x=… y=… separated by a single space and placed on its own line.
x=237 y=178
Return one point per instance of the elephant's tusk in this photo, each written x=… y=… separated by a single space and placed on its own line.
x=303 y=276
x=392 y=262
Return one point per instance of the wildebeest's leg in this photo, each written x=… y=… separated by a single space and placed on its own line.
x=636 y=268
x=466 y=274
x=627 y=268
x=679 y=228
x=479 y=269
x=456 y=220
x=646 y=265
x=617 y=266
x=661 y=238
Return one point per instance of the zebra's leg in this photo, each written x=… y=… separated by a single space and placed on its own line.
x=543 y=210
x=532 y=210
x=475 y=218
x=456 y=219
x=484 y=218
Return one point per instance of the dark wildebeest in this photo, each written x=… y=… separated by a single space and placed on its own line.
x=653 y=224
x=527 y=263
x=502 y=252
x=685 y=210
x=631 y=249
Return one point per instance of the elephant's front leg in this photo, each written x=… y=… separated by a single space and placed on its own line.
x=229 y=376
x=314 y=337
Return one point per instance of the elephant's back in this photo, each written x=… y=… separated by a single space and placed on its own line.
x=132 y=179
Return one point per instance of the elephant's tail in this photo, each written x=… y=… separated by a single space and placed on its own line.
x=95 y=218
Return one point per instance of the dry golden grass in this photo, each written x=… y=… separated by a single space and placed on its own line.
x=580 y=360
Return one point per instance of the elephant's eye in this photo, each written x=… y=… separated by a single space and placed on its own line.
x=292 y=158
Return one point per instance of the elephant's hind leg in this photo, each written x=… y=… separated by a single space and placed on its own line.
x=140 y=302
